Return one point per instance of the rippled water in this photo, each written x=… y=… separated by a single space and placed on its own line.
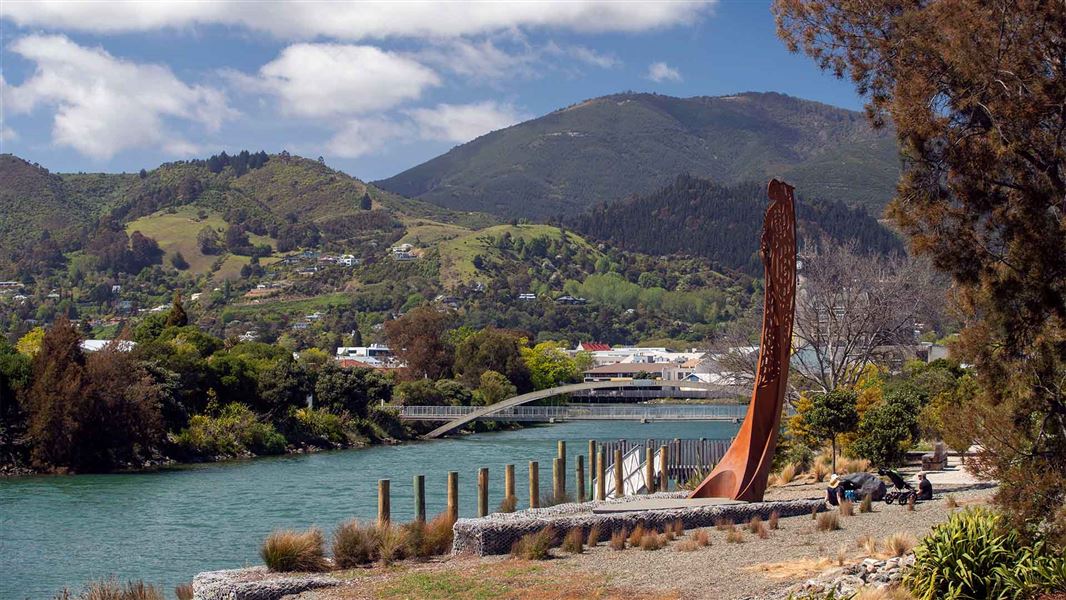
x=165 y=527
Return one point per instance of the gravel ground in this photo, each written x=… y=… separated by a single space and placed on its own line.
x=731 y=571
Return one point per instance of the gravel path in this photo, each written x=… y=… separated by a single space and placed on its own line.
x=732 y=571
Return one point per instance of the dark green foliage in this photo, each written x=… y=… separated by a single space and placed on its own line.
x=607 y=148
x=351 y=390
x=831 y=414
x=492 y=350
x=176 y=317
x=722 y=223
x=178 y=261
x=888 y=429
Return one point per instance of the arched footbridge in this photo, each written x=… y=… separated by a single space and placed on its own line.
x=459 y=416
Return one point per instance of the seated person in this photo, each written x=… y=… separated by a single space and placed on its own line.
x=925 y=489
x=832 y=493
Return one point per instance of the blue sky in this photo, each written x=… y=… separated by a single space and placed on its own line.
x=375 y=88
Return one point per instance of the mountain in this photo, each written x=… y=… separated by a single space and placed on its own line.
x=607 y=148
x=696 y=216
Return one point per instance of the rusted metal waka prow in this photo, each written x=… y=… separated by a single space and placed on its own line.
x=743 y=471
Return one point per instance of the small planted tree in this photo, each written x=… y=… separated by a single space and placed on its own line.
x=830 y=415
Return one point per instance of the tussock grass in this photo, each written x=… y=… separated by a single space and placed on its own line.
x=852 y=465
x=827 y=521
x=724 y=525
x=758 y=528
x=842 y=555
x=867 y=543
x=774 y=518
x=636 y=535
x=951 y=502
x=594 y=535
x=867 y=504
x=910 y=503
x=111 y=589
x=652 y=541
x=392 y=543
x=702 y=537
x=534 y=546
x=430 y=539
x=288 y=550
x=574 y=542
x=754 y=524
x=787 y=473
x=899 y=543
x=354 y=544
x=814 y=513
x=183 y=591
x=847 y=508
x=507 y=505
x=677 y=527
x=885 y=593
x=820 y=470
x=734 y=536
x=687 y=546
x=618 y=540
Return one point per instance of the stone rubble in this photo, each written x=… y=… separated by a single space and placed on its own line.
x=847 y=580
x=255 y=583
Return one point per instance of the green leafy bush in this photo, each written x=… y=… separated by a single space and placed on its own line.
x=236 y=431
x=322 y=424
x=976 y=555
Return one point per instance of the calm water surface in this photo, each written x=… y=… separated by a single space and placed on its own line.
x=165 y=527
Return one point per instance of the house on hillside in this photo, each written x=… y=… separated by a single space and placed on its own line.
x=97 y=345
x=527 y=296
x=570 y=300
x=593 y=347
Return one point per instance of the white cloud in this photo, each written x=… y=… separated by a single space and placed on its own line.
x=454 y=123
x=463 y=122
x=480 y=60
x=591 y=57
x=294 y=19
x=362 y=136
x=660 y=72
x=324 y=80
x=104 y=104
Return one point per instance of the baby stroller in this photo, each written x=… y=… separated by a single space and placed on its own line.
x=903 y=490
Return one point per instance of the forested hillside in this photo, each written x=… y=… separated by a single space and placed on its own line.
x=698 y=217
x=607 y=148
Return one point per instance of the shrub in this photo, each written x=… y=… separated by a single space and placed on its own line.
x=899 y=543
x=755 y=523
x=867 y=504
x=183 y=591
x=974 y=554
x=951 y=502
x=318 y=424
x=392 y=543
x=677 y=527
x=774 y=518
x=508 y=505
x=724 y=525
x=574 y=542
x=847 y=508
x=618 y=540
x=889 y=429
x=652 y=541
x=111 y=589
x=287 y=550
x=734 y=536
x=237 y=431
x=594 y=535
x=828 y=521
x=534 y=546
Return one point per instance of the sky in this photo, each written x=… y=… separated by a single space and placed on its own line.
x=373 y=88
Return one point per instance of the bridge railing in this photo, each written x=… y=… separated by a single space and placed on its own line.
x=584 y=411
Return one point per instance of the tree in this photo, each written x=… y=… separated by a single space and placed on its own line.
x=491 y=349
x=57 y=388
x=493 y=387
x=975 y=92
x=849 y=305
x=889 y=429
x=178 y=261
x=285 y=385
x=548 y=365
x=30 y=344
x=418 y=338
x=365 y=203
x=208 y=240
x=830 y=414
x=339 y=389
x=176 y=316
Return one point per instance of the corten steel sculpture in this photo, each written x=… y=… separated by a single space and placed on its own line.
x=743 y=471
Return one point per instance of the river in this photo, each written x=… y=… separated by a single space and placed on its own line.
x=164 y=527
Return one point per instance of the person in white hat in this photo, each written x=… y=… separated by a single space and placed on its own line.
x=831 y=498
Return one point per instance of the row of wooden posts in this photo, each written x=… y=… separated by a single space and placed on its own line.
x=558 y=482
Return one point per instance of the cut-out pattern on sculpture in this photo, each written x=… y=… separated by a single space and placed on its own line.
x=743 y=471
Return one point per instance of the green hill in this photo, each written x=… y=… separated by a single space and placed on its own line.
x=698 y=217
x=607 y=148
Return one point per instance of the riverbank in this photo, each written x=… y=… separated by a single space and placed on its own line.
x=796 y=556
